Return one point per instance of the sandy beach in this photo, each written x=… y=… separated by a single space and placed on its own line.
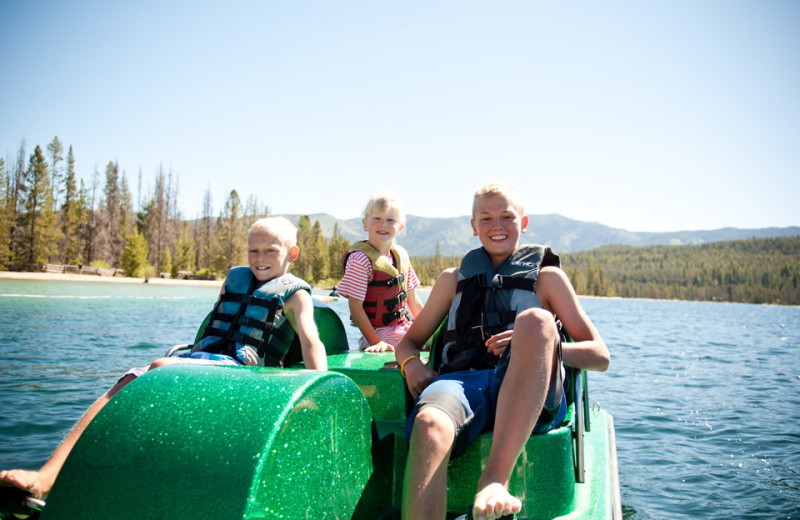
x=66 y=277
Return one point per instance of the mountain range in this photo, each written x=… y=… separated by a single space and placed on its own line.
x=564 y=235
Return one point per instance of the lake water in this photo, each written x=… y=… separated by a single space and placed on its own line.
x=705 y=396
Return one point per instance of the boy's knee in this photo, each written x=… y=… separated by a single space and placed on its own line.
x=435 y=426
x=536 y=323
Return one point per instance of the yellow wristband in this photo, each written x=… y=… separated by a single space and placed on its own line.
x=403 y=365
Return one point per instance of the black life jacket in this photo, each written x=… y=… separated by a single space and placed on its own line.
x=248 y=322
x=487 y=301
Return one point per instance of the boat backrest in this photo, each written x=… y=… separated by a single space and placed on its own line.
x=329 y=325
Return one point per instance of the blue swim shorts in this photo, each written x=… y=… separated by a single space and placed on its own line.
x=469 y=398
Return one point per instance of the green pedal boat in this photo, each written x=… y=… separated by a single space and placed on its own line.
x=197 y=442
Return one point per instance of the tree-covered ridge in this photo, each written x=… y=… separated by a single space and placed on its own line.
x=763 y=270
x=48 y=216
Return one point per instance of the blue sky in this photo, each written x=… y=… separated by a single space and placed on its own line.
x=648 y=116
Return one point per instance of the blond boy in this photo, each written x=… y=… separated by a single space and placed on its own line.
x=272 y=247
x=482 y=380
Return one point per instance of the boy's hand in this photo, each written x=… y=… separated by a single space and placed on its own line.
x=498 y=343
x=418 y=376
x=380 y=346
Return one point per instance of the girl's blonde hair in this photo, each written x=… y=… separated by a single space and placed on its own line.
x=499 y=188
x=383 y=201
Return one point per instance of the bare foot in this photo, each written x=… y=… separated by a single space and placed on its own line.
x=493 y=502
x=29 y=481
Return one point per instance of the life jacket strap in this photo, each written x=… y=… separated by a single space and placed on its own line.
x=391 y=303
x=491 y=323
x=233 y=335
x=397 y=300
x=499 y=281
x=391 y=282
x=392 y=316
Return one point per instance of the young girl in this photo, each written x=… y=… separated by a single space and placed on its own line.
x=378 y=280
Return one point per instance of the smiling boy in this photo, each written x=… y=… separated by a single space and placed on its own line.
x=502 y=295
x=272 y=248
x=269 y=294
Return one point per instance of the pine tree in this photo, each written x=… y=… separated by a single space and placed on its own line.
x=166 y=262
x=438 y=261
x=230 y=236
x=153 y=220
x=110 y=235
x=70 y=215
x=56 y=151
x=319 y=261
x=5 y=220
x=89 y=221
x=38 y=221
x=186 y=249
x=205 y=233
x=15 y=197
x=126 y=215
x=302 y=267
x=254 y=210
x=173 y=216
x=134 y=256
x=336 y=249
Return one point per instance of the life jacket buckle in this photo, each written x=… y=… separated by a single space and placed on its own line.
x=497 y=282
x=397 y=280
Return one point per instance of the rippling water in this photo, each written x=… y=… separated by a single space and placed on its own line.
x=705 y=396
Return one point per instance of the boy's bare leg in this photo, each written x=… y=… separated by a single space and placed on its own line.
x=533 y=361
x=425 y=481
x=38 y=483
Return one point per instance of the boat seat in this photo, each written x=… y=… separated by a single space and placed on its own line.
x=330 y=327
x=548 y=466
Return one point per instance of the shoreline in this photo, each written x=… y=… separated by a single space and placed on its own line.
x=68 y=277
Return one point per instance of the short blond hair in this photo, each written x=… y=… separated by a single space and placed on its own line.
x=506 y=190
x=280 y=227
x=384 y=201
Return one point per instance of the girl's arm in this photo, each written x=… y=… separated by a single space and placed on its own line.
x=300 y=311
x=556 y=294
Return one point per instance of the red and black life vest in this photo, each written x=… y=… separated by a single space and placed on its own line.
x=384 y=302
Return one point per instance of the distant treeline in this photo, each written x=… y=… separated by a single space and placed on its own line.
x=50 y=216
x=764 y=270
x=47 y=216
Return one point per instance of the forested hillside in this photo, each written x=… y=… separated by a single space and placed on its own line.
x=453 y=236
x=48 y=215
x=763 y=270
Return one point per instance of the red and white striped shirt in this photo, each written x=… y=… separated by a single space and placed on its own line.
x=357 y=274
